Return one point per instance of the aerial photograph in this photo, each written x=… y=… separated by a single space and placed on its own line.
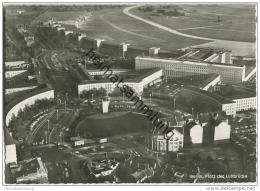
x=137 y=93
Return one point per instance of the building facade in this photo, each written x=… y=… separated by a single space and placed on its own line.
x=160 y=144
x=28 y=101
x=196 y=134
x=137 y=85
x=181 y=68
x=31 y=171
x=222 y=132
x=246 y=103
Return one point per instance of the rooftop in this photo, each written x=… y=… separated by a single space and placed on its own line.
x=236 y=92
x=28 y=167
x=191 y=61
x=208 y=80
x=23 y=97
x=130 y=76
x=218 y=98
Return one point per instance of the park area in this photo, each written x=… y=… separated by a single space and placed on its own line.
x=111 y=124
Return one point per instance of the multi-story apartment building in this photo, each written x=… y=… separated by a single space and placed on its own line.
x=136 y=84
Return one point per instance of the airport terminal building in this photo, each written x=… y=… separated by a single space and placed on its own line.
x=201 y=61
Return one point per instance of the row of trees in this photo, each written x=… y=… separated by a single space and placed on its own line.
x=95 y=93
x=25 y=115
x=99 y=93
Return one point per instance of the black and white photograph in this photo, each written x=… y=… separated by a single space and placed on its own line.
x=121 y=93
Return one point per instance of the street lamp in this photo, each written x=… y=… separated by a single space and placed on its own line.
x=192 y=109
x=92 y=96
x=150 y=99
x=66 y=95
x=48 y=125
x=174 y=103
x=123 y=97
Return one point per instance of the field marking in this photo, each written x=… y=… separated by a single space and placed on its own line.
x=126 y=31
x=126 y=11
x=209 y=26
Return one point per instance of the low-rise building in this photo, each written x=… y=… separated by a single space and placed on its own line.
x=30 y=171
x=78 y=141
x=161 y=144
x=142 y=175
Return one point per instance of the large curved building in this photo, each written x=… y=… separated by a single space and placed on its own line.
x=13 y=108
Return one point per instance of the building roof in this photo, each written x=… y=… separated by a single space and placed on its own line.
x=139 y=175
x=30 y=166
x=190 y=61
x=179 y=129
x=238 y=92
x=23 y=97
x=209 y=80
x=218 y=98
x=22 y=85
x=130 y=76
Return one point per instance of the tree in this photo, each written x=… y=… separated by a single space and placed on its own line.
x=101 y=92
x=85 y=94
x=197 y=159
x=170 y=157
x=116 y=92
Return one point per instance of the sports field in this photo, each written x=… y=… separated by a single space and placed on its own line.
x=106 y=125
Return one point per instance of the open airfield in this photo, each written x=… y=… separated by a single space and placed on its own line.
x=227 y=26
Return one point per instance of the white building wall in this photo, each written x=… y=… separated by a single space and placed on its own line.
x=10 y=154
x=12 y=90
x=196 y=134
x=105 y=105
x=15 y=63
x=177 y=68
x=157 y=75
x=214 y=82
x=222 y=131
x=245 y=103
x=29 y=101
x=109 y=86
x=10 y=74
x=249 y=75
x=229 y=109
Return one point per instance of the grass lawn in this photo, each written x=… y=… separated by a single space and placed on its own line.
x=206 y=16
x=223 y=34
x=139 y=34
x=115 y=27
x=91 y=127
